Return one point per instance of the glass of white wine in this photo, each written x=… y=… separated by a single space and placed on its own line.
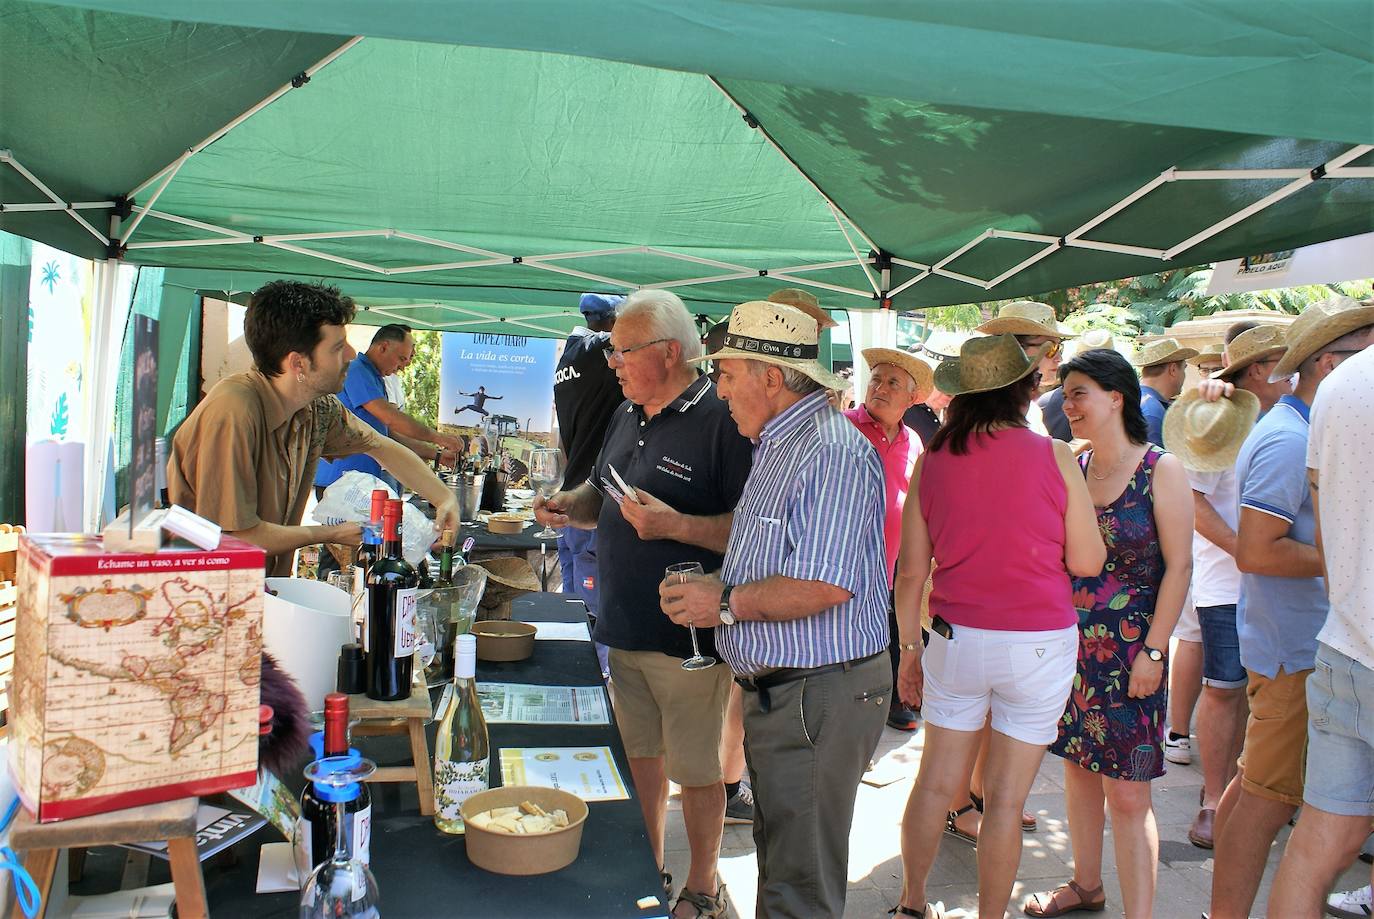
x=546 y=471
x=681 y=573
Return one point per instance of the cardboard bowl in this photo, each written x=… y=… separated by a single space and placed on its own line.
x=503 y=853
x=503 y=640
x=507 y=524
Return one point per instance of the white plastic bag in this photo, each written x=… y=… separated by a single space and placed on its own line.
x=349 y=500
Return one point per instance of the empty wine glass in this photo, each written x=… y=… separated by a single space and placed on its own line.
x=681 y=573
x=341 y=886
x=546 y=471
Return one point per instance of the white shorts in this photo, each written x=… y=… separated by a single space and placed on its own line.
x=1187 y=628
x=1022 y=678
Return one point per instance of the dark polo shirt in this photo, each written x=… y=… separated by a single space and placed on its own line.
x=691 y=457
x=585 y=395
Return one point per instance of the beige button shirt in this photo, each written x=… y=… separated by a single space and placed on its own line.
x=240 y=459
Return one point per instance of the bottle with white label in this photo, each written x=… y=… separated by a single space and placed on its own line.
x=462 y=751
x=391 y=589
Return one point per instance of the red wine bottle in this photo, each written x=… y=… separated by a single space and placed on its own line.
x=368 y=552
x=315 y=833
x=391 y=593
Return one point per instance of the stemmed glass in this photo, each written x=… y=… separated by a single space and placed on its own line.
x=342 y=886
x=681 y=573
x=546 y=471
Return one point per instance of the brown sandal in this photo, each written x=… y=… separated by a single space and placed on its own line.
x=1049 y=904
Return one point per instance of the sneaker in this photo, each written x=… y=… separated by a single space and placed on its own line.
x=1178 y=751
x=1351 y=904
x=739 y=807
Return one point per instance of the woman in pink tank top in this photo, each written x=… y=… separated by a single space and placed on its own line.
x=1006 y=518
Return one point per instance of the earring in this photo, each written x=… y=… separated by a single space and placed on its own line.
x=300 y=378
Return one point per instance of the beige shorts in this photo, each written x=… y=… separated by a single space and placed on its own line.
x=1188 y=628
x=666 y=711
x=1274 y=760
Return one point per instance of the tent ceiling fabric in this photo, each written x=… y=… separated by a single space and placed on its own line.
x=551 y=173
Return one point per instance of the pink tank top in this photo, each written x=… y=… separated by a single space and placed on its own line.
x=996 y=520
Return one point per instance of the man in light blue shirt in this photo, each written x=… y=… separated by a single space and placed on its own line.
x=799 y=606
x=1161 y=365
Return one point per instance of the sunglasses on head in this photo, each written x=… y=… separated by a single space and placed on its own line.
x=1045 y=349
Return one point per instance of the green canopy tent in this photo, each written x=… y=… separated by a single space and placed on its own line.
x=903 y=153
x=471 y=161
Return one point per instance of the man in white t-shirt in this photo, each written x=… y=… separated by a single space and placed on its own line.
x=1340 y=775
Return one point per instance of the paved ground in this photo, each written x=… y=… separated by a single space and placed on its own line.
x=1185 y=872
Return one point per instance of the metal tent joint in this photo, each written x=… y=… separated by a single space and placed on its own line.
x=750 y=120
x=300 y=80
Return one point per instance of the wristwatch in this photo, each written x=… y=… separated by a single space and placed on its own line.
x=1154 y=654
x=726 y=617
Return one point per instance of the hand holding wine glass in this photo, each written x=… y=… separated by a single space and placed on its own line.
x=680 y=574
x=546 y=471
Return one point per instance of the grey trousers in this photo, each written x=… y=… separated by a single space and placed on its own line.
x=806 y=756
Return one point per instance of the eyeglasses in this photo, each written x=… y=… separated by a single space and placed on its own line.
x=613 y=353
x=1045 y=349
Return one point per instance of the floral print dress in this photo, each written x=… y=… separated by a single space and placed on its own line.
x=1103 y=729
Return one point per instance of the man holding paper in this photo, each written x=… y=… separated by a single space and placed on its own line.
x=661 y=491
x=246 y=457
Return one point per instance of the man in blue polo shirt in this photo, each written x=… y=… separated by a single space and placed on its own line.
x=1162 y=367
x=673 y=443
x=364 y=394
x=1283 y=603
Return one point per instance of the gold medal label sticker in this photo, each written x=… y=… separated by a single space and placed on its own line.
x=546 y=757
x=585 y=756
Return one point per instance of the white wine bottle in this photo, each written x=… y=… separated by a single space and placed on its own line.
x=462 y=751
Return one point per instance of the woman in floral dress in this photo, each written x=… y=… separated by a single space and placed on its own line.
x=1112 y=733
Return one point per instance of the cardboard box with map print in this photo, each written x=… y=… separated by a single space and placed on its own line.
x=136 y=675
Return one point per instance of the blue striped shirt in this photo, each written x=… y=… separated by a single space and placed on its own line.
x=811 y=510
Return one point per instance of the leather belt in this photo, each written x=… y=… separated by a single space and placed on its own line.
x=763 y=682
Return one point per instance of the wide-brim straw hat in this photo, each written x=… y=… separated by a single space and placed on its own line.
x=985 y=364
x=1209 y=353
x=919 y=370
x=1257 y=344
x=805 y=302
x=510 y=571
x=1026 y=317
x=1318 y=326
x=776 y=333
x=1207 y=436
x=1162 y=351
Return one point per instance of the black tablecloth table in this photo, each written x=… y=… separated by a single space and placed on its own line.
x=425 y=873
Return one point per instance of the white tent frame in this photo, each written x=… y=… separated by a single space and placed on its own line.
x=1299 y=178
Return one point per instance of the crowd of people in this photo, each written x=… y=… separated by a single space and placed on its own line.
x=999 y=539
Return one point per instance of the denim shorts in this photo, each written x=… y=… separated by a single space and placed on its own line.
x=1340 y=736
x=1221 y=667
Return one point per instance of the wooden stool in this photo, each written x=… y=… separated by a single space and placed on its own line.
x=405 y=716
x=171 y=821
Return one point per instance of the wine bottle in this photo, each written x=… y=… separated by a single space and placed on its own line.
x=441 y=667
x=315 y=832
x=368 y=552
x=391 y=589
x=462 y=750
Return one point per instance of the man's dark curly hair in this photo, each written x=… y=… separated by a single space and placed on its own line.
x=286 y=316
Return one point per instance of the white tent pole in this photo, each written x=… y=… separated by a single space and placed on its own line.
x=753 y=123
x=1053 y=247
x=807 y=282
x=915 y=279
x=295 y=83
x=1114 y=247
x=450 y=266
x=101 y=380
x=692 y=282
x=445 y=244
x=188 y=222
x=171 y=174
x=7 y=156
x=338 y=259
x=956 y=276
x=1351 y=172
x=863 y=263
x=558 y=269
x=58 y=206
x=696 y=259
x=192 y=243
x=1353 y=153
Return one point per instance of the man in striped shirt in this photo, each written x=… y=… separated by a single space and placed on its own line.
x=799 y=606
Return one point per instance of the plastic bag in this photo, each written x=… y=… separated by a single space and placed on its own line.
x=349 y=500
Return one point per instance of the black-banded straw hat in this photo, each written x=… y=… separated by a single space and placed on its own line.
x=776 y=333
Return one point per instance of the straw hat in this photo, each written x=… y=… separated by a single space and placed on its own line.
x=1162 y=351
x=1318 y=326
x=1207 y=436
x=806 y=303
x=775 y=333
x=1209 y=354
x=984 y=364
x=1263 y=341
x=918 y=369
x=1026 y=317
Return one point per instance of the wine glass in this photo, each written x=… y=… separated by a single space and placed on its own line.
x=546 y=471
x=681 y=573
x=341 y=886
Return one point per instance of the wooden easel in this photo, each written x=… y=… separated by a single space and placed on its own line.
x=172 y=821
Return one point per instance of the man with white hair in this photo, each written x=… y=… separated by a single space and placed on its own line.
x=673 y=443
x=799 y=607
